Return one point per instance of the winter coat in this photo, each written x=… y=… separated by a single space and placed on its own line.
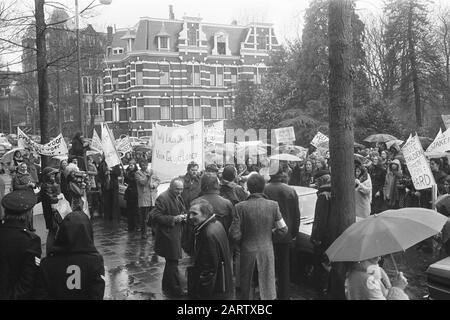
x=378 y=177
x=168 y=233
x=212 y=262
x=20 y=181
x=391 y=191
x=20 y=253
x=191 y=188
x=363 y=198
x=223 y=208
x=252 y=227
x=295 y=176
x=320 y=234
x=287 y=200
x=368 y=285
x=49 y=195
x=147 y=185
x=131 y=193
x=73 y=269
x=233 y=192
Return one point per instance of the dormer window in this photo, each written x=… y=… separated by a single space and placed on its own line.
x=117 y=50
x=163 y=39
x=221 y=44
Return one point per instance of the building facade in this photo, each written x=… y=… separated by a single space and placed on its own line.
x=63 y=75
x=171 y=71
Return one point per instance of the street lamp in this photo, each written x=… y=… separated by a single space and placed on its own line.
x=77 y=26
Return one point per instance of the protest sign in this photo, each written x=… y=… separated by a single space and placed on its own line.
x=446 y=120
x=215 y=133
x=55 y=147
x=96 y=142
x=111 y=156
x=285 y=135
x=441 y=143
x=320 y=140
x=417 y=164
x=175 y=147
x=123 y=146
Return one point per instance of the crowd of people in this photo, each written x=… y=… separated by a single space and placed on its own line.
x=236 y=222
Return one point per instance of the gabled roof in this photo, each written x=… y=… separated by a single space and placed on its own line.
x=147 y=30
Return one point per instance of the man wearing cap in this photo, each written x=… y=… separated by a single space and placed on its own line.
x=20 y=249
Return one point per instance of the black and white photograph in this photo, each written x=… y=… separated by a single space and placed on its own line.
x=240 y=152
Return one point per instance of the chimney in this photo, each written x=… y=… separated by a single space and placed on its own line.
x=171 y=15
x=109 y=38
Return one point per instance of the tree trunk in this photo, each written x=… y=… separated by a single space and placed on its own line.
x=341 y=130
x=414 y=76
x=41 y=60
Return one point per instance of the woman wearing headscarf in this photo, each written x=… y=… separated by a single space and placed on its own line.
x=73 y=269
x=363 y=191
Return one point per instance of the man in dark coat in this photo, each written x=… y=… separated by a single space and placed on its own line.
x=287 y=199
x=320 y=236
x=229 y=189
x=109 y=178
x=20 y=249
x=22 y=180
x=191 y=183
x=73 y=269
x=169 y=215
x=50 y=194
x=213 y=277
x=223 y=209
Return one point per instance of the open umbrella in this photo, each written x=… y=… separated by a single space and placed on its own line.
x=359 y=145
x=389 y=144
x=285 y=157
x=380 y=137
x=385 y=233
x=142 y=148
x=8 y=156
x=292 y=149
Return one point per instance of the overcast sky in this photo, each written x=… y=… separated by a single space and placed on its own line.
x=286 y=15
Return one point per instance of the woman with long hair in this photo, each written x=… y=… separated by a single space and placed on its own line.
x=363 y=191
x=306 y=177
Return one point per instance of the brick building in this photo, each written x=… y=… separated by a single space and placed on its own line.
x=178 y=71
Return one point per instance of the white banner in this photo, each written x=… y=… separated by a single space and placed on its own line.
x=441 y=143
x=418 y=167
x=111 y=156
x=285 y=135
x=123 y=146
x=55 y=147
x=175 y=147
x=320 y=140
x=96 y=142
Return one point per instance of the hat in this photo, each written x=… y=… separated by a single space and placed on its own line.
x=20 y=201
x=48 y=170
x=229 y=173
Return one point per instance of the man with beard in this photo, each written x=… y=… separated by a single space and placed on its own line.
x=191 y=182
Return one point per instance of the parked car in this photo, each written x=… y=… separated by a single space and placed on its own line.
x=438 y=280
